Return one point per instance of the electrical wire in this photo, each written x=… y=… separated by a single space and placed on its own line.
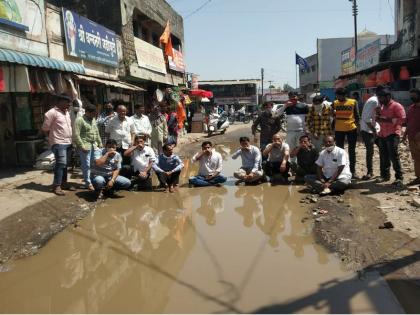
x=198 y=9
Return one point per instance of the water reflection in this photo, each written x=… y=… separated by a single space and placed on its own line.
x=212 y=202
x=251 y=207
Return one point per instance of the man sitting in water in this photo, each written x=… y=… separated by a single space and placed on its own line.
x=168 y=168
x=250 y=171
x=306 y=155
x=142 y=159
x=333 y=170
x=210 y=167
x=105 y=171
x=277 y=166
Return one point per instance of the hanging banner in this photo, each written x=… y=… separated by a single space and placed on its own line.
x=177 y=62
x=88 y=40
x=149 y=56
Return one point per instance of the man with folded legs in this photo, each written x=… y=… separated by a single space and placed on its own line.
x=210 y=167
x=168 y=167
x=251 y=170
x=333 y=170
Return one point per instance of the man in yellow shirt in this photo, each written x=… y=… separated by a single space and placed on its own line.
x=346 y=119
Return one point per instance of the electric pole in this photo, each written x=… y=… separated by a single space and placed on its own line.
x=355 y=12
x=262 y=85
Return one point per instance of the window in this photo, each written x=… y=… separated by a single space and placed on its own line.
x=313 y=68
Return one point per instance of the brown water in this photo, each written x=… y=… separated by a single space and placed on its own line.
x=202 y=250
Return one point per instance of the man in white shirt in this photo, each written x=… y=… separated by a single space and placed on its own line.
x=210 y=167
x=142 y=159
x=295 y=118
x=121 y=129
x=141 y=122
x=369 y=128
x=333 y=169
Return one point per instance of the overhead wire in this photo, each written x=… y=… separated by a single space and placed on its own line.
x=198 y=9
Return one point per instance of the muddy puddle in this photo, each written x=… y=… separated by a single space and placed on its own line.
x=202 y=250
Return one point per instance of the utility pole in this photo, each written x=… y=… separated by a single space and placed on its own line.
x=262 y=85
x=355 y=11
x=270 y=81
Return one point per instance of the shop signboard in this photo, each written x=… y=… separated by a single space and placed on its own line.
x=177 y=62
x=245 y=100
x=149 y=57
x=348 y=61
x=88 y=40
x=27 y=17
x=368 y=56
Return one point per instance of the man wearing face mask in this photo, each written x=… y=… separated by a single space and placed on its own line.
x=346 y=115
x=318 y=121
x=390 y=116
x=412 y=132
x=269 y=124
x=87 y=140
x=104 y=118
x=333 y=171
x=295 y=117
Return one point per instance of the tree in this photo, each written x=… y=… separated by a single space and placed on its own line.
x=287 y=87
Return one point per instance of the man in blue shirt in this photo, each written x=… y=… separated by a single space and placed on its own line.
x=168 y=168
x=105 y=170
x=250 y=171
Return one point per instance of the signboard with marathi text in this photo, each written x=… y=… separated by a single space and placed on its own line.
x=368 y=56
x=88 y=40
x=348 y=61
x=149 y=57
x=177 y=62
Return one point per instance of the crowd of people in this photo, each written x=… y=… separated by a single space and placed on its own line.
x=121 y=152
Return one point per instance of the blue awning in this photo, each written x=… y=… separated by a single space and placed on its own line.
x=11 y=56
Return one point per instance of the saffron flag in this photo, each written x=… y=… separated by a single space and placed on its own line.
x=165 y=39
x=303 y=64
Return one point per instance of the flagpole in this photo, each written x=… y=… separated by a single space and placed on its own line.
x=296 y=71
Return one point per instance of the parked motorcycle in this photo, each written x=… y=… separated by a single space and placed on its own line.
x=245 y=118
x=218 y=123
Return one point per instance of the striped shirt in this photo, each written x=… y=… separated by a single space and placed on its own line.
x=319 y=122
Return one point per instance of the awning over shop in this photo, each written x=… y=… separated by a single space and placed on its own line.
x=118 y=84
x=11 y=56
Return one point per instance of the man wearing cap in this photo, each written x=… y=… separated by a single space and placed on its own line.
x=57 y=125
x=390 y=116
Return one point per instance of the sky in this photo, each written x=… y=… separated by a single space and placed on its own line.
x=234 y=39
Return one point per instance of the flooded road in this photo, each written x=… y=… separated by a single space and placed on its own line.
x=201 y=250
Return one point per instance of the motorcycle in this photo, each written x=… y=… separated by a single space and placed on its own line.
x=245 y=118
x=217 y=123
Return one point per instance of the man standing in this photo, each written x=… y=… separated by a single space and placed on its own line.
x=159 y=130
x=57 y=124
x=333 y=172
x=210 y=167
x=295 y=118
x=369 y=127
x=413 y=132
x=141 y=121
x=346 y=116
x=87 y=140
x=250 y=171
x=318 y=121
x=103 y=120
x=121 y=129
x=269 y=125
x=390 y=116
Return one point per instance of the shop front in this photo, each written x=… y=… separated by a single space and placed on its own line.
x=28 y=84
